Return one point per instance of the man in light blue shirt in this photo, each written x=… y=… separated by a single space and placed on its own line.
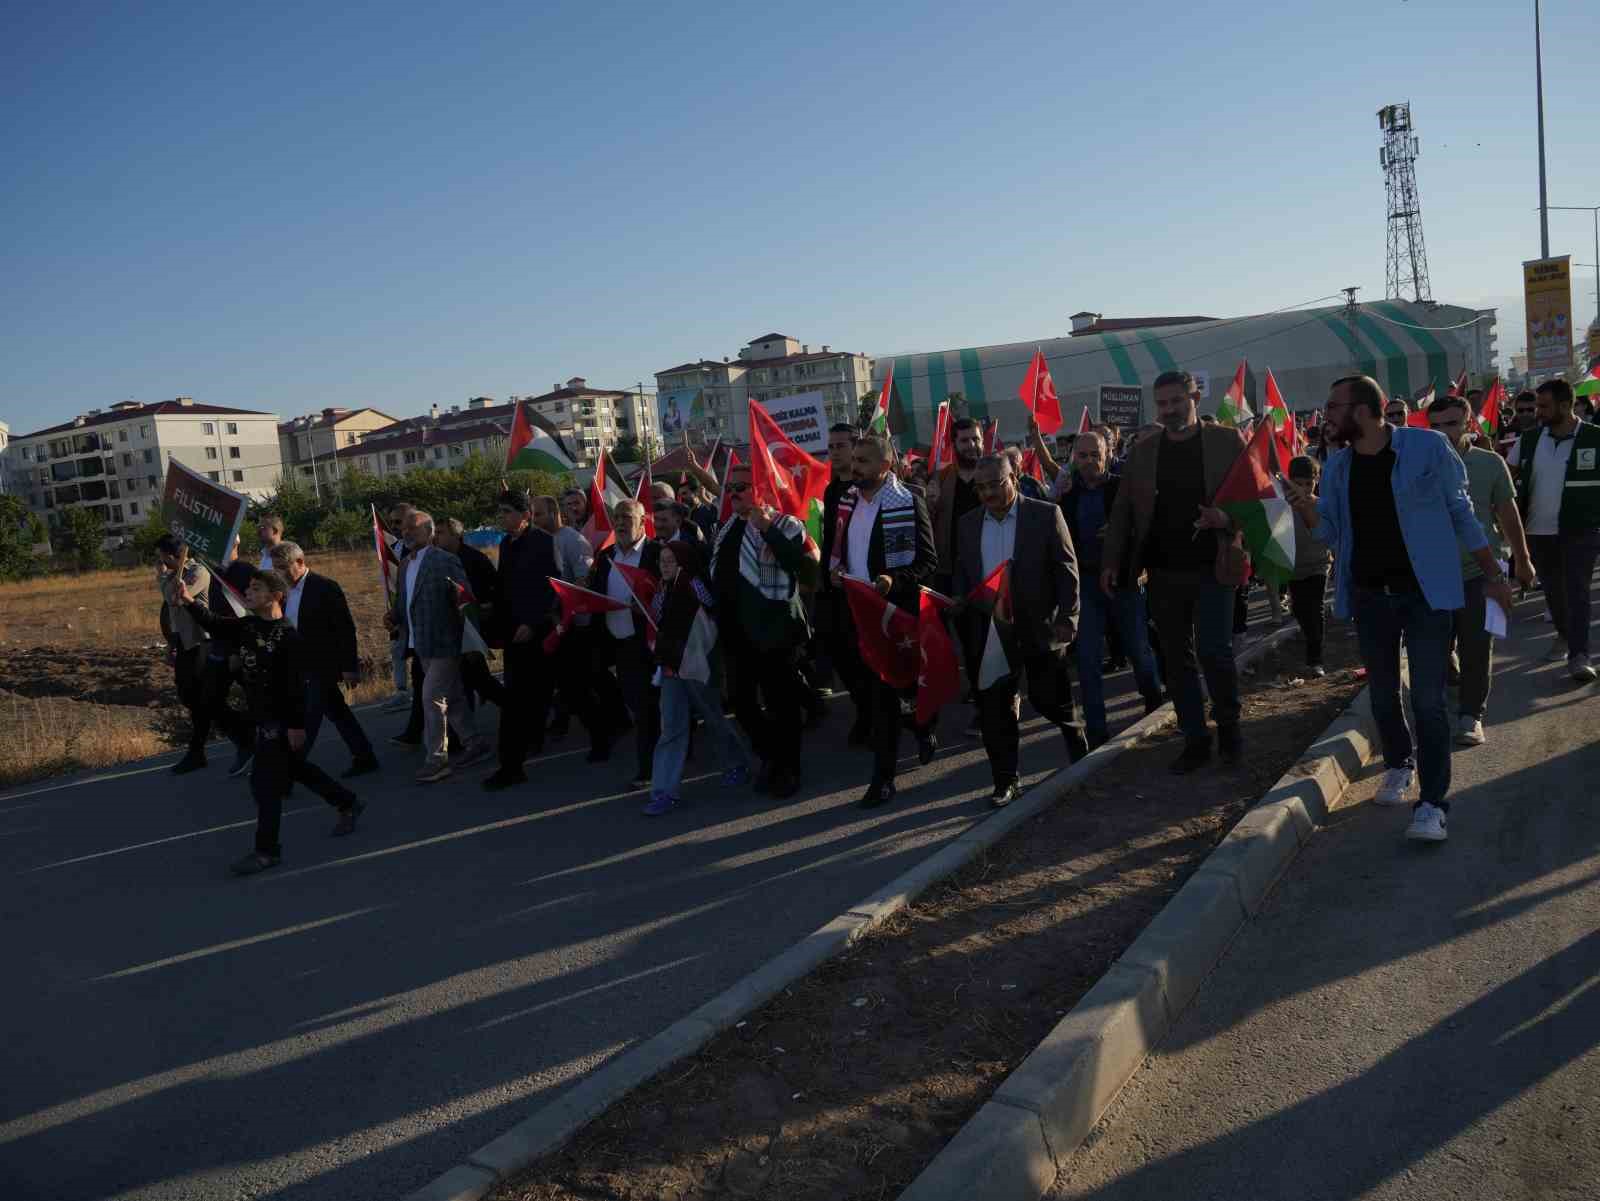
x=1394 y=508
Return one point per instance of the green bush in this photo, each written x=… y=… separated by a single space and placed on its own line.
x=342 y=531
x=80 y=536
x=20 y=532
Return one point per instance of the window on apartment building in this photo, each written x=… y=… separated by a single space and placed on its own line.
x=122 y=435
x=149 y=456
x=144 y=431
x=211 y=452
x=208 y=427
x=116 y=514
x=349 y=439
x=133 y=484
x=233 y=427
x=305 y=470
x=151 y=481
x=438 y=452
x=411 y=456
x=127 y=460
x=233 y=452
x=214 y=476
x=455 y=450
x=27 y=452
x=133 y=508
x=238 y=477
x=388 y=459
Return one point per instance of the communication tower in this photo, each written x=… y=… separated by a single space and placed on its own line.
x=1408 y=257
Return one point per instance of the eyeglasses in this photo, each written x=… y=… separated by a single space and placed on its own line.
x=738 y=488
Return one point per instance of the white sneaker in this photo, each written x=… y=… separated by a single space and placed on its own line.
x=1579 y=668
x=1427 y=824
x=1557 y=651
x=1396 y=786
x=1470 y=732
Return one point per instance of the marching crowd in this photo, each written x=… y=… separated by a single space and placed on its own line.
x=1122 y=549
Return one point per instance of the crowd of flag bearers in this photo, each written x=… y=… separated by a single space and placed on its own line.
x=977 y=574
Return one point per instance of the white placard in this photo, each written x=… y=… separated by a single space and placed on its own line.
x=804 y=418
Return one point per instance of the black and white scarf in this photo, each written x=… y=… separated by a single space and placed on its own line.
x=897 y=511
x=758 y=563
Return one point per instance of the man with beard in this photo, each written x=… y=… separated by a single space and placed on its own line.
x=619 y=638
x=952 y=495
x=1494 y=501
x=886 y=540
x=834 y=627
x=1558 y=464
x=1393 y=507
x=1164 y=521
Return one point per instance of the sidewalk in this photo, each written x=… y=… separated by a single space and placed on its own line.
x=1401 y=1021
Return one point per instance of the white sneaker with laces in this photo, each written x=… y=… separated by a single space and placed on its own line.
x=1580 y=669
x=1427 y=824
x=1396 y=786
x=1470 y=732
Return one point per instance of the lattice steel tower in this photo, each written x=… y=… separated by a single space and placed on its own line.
x=1408 y=257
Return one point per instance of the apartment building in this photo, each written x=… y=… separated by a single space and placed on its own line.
x=591 y=418
x=711 y=398
x=114 y=460
x=307 y=444
x=5 y=438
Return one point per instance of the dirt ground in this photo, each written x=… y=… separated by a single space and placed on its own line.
x=84 y=680
x=847 y=1085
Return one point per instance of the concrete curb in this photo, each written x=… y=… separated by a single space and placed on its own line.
x=555 y=1124
x=1012 y=1149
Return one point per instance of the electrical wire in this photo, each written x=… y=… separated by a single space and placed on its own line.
x=1431 y=328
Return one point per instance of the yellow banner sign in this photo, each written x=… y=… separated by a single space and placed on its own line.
x=1547 y=291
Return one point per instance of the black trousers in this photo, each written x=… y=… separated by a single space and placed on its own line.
x=202 y=684
x=1307 y=601
x=479 y=681
x=275 y=767
x=1049 y=692
x=855 y=675
x=767 y=690
x=325 y=699
x=1565 y=563
x=886 y=729
x=525 y=701
x=635 y=666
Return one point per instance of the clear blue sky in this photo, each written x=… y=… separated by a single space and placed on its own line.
x=297 y=205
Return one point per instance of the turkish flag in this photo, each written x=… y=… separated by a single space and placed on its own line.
x=939 y=680
x=993 y=596
x=643 y=585
x=598 y=528
x=1038 y=394
x=1031 y=465
x=575 y=600
x=886 y=634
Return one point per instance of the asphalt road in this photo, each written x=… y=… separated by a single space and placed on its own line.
x=1403 y=1022
x=358 y=1020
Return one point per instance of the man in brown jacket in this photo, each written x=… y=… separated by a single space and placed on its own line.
x=952 y=494
x=1164 y=521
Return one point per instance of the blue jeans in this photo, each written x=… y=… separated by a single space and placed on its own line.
x=1128 y=611
x=1381 y=620
x=1194 y=617
x=680 y=699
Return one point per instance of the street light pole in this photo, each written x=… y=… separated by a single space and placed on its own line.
x=1538 y=75
x=1594 y=211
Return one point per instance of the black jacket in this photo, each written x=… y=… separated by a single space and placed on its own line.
x=1044 y=575
x=522 y=595
x=600 y=573
x=327 y=631
x=679 y=605
x=271 y=665
x=907 y=581
x=1089 y=556
x=482 y=576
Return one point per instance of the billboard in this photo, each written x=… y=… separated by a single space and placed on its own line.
x=679 y=412
x=1547 y=292
x=804 y=418
x=1122 y=405
x=201 y=512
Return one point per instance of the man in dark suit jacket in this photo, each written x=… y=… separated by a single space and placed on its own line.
x=316 y=607
x=619 y=641
x=476 y=678
x=834 y=628
x=885 y=539
x=1040 y=607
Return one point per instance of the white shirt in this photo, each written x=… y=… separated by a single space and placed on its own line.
x=620 y=622
x=291 y=607
x=1549 y=477
x=413 y=566
x=858 y=538
x=999 y=539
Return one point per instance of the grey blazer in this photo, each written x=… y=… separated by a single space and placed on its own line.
x=432 y=613
x=1044 y=576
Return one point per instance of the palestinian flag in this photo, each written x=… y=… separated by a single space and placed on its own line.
x=641 y=493
x=1031 y=465
x=227 y=591
x=1282 y=422
x=1590 y=386
x=467 y=605
x=534 y=444
x=575 y=601
x=1252 y=496
x=1085 y=422
x=1459 y=387
x=1417 y=415
x=878 y=423
x=943 y=449
x=598 y=528
x=1489 y=415
x=991 y=435
x=993 y=597
x=389 y=553
x=1234 y=410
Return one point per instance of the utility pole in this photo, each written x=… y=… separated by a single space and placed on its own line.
x=1593 y=211
x=1544 y=200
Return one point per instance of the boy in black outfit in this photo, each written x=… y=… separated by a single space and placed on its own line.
x=273 y=675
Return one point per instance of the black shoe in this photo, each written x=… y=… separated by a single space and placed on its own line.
x=188 y=764
x=503 y=779
x=558 y=729
x=1230 y=743
x=363 y=765
x=1077 y=745
x=347 y=819
x=638 y=782
x=815 y=717
x=407 y=740
x=1097 y=739
x=598 y=753
x=860 y=734
x=255 y=861
x=241 y=761
x=1196 y=754
x=764 y=777
x=879 y=792
x=1152 y=702
x=785 y=784
x=1114 y=664
x=927 y=748
x=1004 y=794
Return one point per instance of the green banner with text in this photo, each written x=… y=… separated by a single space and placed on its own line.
x=202 y=512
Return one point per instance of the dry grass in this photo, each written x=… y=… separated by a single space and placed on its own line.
x=77 y=618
